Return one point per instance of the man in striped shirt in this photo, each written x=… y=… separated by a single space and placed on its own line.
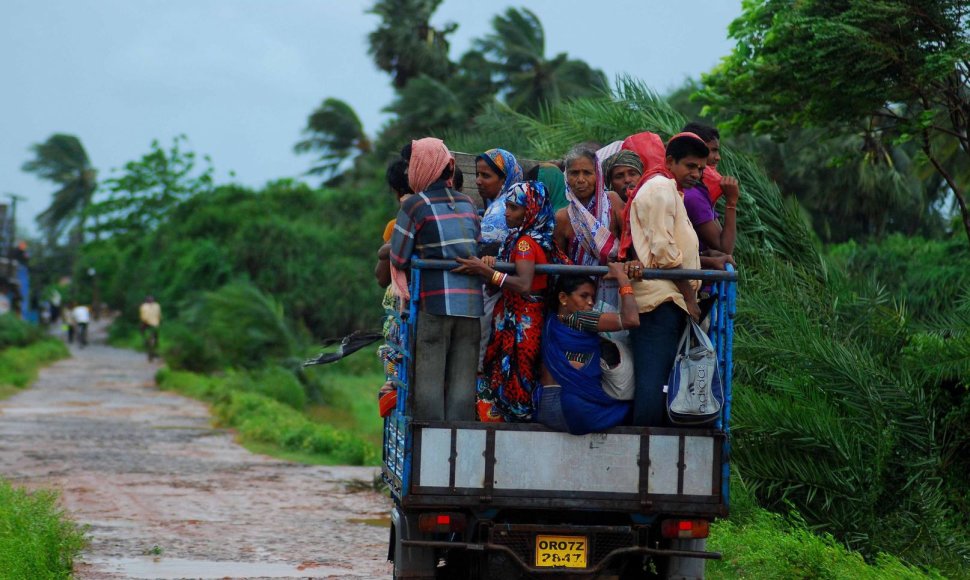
x=440 y=223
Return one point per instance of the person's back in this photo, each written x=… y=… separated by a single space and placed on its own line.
x=82 y=314
x=440 y=223
x=150 y=313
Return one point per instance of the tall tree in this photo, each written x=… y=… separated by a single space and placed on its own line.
x=406 y=45
x=142 y=194
x=335 y=132
x=63 y=160
x=529 y=80
x=891 y=70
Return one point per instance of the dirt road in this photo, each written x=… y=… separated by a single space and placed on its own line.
x=168 y=496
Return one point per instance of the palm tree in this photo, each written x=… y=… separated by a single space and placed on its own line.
x=335 y=132
x=63 y=160
x=529 y=80
x=406 y=45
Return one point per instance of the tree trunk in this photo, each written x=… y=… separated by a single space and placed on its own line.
x=956 y=189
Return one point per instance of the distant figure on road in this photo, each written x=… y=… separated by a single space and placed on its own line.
x=82 y=316
x=150 y=313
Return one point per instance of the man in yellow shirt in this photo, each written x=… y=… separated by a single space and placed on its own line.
x=663 y=237
x=150 y=313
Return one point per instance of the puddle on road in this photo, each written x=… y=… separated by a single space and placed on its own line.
x=381 y=522
x=162 y=568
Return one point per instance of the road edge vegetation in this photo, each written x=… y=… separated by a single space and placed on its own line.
x=37 y=538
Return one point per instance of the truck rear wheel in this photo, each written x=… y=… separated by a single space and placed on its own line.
x=409 y=562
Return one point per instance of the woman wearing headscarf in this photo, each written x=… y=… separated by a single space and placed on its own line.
x=510 y=368
x=588 y=229
x=577 y=369
x=495 y=172
x=622 y=171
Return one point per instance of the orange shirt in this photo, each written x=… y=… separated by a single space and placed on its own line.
x=389 y=230
x=529 y=250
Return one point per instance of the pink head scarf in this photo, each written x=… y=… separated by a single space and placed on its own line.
x=429 y=157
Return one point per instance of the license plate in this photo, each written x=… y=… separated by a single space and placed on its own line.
x=561 y=551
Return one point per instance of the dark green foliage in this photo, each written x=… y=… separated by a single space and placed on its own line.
x=929 y=278
x=405 y=44
x=37 y=540
x=16 y=332
x=528 y=79
x=311 y=250
x=890 y=70
x=335 y=133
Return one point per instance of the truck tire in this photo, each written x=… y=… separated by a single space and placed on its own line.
x=409 y=563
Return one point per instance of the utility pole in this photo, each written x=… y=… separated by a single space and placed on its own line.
x=11 y=229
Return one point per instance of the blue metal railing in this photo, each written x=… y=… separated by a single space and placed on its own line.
x=397 y=432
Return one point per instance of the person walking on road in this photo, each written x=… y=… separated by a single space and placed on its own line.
x=150 y=313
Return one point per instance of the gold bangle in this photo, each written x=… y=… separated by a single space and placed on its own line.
x=496 y=277
x=626 y=290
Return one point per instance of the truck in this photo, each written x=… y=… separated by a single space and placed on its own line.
x=478 y=500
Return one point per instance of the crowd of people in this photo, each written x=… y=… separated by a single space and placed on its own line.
x=575 y=353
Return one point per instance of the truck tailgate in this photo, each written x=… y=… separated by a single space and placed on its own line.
x=631 y=469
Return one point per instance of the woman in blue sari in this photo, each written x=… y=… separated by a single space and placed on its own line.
x=571 y=397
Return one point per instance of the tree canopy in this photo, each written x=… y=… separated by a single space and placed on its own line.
x=890 y=70
x=62 y=160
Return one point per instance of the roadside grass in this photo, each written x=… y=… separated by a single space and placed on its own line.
x=37 y=539
x=349 y=389
x=762 y=545
x=268 y=424
x=19 y=364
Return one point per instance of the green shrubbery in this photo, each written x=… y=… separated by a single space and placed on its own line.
x=37 y=541
x=19 y=365
x=16 y=332
x=240 y=401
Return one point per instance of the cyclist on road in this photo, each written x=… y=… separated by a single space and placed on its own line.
x=150 y=313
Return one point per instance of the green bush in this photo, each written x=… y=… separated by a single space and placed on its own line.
x=276 y=383
x=37 y=540
x=16 y=332
x=261 y=419
x=186 y=349
x=767 y=546
x=19 y=365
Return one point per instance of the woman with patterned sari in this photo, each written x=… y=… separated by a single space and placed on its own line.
x=588 y=229
x=495 y=172
x=510 y=371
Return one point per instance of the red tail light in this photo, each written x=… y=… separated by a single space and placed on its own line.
x=685 y=529
x=440 y=523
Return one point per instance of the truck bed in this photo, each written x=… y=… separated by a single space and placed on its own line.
x=495 y=465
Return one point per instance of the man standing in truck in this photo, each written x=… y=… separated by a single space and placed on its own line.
x=437 y=222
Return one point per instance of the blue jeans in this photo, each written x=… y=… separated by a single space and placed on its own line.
x=654 y=350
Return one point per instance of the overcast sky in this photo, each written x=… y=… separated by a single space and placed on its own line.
x=240 y=77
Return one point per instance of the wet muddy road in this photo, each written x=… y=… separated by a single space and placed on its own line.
x=165 y=495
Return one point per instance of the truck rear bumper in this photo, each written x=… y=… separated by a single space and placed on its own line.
x=600 y=566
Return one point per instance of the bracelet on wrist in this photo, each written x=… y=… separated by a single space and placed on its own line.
x=496 y=277
x=729 y=206
x=626 y=290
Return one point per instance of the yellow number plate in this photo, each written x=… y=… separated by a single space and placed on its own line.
x=561 y=551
